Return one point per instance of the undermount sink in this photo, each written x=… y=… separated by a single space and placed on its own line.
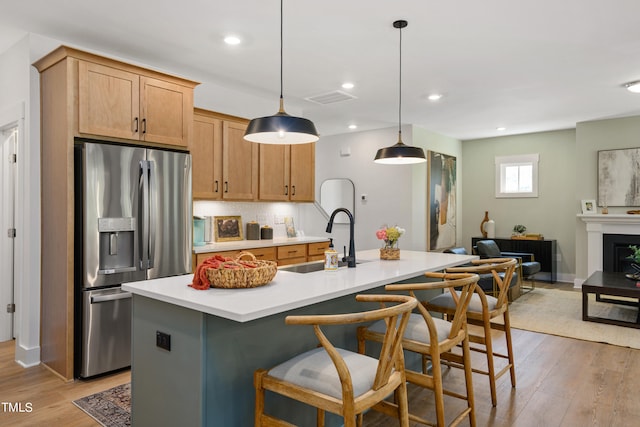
x=310 y=267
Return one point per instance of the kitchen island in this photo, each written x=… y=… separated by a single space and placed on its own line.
x=218 y=337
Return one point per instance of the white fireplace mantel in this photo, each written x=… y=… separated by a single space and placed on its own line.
x=597 y=226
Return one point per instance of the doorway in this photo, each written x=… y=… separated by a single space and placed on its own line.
x=8 y=146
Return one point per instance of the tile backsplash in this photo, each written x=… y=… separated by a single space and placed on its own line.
x=271 y=214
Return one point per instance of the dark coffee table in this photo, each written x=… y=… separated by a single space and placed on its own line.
x=610 y=284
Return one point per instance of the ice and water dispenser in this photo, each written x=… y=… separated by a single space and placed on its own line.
x=117 y=245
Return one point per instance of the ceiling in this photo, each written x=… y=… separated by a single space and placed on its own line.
x=527 y=66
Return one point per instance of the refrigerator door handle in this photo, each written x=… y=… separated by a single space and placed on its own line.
x=144 y=214
x=152 y=213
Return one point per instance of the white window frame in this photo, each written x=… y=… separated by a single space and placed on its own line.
x=502 y=162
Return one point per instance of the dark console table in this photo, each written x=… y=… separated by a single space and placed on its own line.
x=544 y=251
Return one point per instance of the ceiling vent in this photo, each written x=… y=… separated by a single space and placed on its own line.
x=330 y=97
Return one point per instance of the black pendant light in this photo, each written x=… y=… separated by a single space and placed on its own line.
x=400 y=153
x=281 y=128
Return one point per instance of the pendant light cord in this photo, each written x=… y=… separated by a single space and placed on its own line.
x=281 y=55
x=400 y=91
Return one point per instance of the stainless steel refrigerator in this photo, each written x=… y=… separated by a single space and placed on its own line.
x=133 y=222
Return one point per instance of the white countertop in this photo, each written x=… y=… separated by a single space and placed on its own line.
x=290 y=290
x=248 y=244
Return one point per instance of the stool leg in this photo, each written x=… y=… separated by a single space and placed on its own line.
x=490 y=362
x=507 y=333
x=466 y=357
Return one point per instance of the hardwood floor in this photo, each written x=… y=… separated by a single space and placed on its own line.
x=49 y=397
x=560 y=382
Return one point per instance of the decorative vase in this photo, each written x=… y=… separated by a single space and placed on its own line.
x=389 y=253
x=490 y=229
x=485 y=220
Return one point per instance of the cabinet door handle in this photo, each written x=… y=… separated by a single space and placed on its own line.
x=215 y=189
x=293 y=190
x=226 y=186
x=286 y=190
x=135 y=129
x=144 y=125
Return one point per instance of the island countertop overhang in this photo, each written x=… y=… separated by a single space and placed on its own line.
x=291 y=290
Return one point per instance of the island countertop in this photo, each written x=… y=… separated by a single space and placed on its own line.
x=291 y=290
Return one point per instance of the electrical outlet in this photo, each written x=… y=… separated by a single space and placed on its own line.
x=163 y=340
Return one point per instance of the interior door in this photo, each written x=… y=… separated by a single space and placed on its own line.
x=7 y=226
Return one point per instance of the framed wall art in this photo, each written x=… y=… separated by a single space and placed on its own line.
x=227 y=228
x=619 y=177
x=442 y=193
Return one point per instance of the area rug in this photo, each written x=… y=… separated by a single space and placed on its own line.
x=111 y=408
x=559 y=312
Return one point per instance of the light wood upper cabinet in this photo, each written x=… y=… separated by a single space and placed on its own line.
x=303 y=172
x=274 y=172
x=108 y=101
x=287 y=172
x=206 y=157
x=227 y=167
x=118 y=103
x=239 y=163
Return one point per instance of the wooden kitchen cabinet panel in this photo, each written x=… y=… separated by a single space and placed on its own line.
x=287 y=172
x=119 y=103
x=274 y=172
x=108 y=101
x=206 y=156
x=303 y=172
x=315 y=251
x=166 y=111
x=239 y=163
x=263 y=254
x=292 y=251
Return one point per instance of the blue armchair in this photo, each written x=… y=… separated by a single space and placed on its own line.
x=486 y=281
x=528 y=267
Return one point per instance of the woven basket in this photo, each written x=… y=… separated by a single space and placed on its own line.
x=389 y=253
x=242 y=277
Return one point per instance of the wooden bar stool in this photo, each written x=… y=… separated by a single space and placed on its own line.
x=432 y=337
x=482 y=309
x=341 y=381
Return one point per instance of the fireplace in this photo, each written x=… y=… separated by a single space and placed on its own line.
x=615 y=252
x=598 y=226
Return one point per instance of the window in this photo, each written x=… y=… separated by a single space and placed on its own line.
x=517 y=176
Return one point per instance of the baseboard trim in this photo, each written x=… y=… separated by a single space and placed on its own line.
x=27 y=357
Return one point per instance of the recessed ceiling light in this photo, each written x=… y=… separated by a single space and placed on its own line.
x=232 y=40
x=347 y=85
x=435 y=97
x=633 y=86
x=501 y=128
x=353 y=126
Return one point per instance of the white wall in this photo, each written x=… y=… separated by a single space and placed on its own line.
x=19 y=96
x=396 y=195
x=388 y=188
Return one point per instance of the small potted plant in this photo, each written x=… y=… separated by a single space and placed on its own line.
x=519 y=229
x=635 y=261
x=390 y=236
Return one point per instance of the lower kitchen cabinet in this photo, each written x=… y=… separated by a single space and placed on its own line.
x=282 y=254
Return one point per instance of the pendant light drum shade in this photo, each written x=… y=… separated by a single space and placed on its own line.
x=400 y=153
x=281 y=128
